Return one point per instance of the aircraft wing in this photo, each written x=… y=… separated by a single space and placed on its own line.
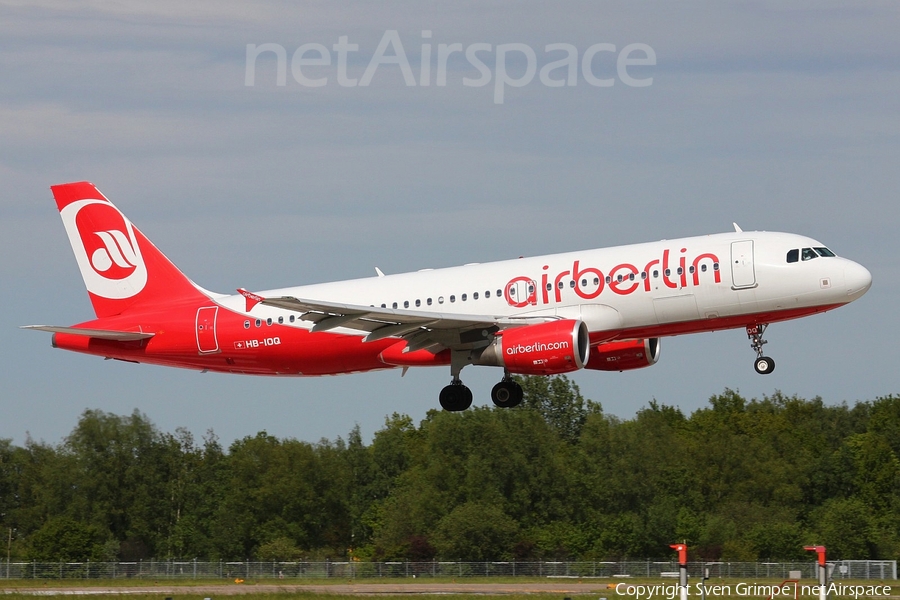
x=100 y=334
x=421 y=329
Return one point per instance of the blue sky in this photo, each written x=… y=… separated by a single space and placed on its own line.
x=778 y=117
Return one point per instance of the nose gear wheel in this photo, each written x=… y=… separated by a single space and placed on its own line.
x=763 y=364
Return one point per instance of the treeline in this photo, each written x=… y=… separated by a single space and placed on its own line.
x=554 y=478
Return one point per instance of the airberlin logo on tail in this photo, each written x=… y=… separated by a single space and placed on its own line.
x=116 y=252
x=106 y=249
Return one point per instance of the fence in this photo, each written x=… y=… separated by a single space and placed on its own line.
x=195 y=569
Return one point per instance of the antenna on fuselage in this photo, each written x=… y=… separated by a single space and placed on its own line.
x=737 y=228
x=380 y=274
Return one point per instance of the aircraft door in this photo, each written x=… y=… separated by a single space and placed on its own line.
x=522 y=291
x=206 y=329
x=743 y=273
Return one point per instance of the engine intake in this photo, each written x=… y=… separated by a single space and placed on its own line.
x=624 y=355
x=543 y=349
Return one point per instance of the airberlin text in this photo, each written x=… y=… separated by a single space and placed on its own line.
x=537 y=347
x=588 y=282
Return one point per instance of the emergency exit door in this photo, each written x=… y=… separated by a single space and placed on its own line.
x=206 y=329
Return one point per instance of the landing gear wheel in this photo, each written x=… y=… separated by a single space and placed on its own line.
x=456 y=397
x=764 y=365
x=507 y=394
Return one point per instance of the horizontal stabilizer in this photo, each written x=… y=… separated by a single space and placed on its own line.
x=100 y=334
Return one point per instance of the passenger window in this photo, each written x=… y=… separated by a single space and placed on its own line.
x=825 y=252
x=530 y=289
x=428 y=302
x=475 y=296
x=269 y=321
x=691 y=270
x=596 y=281
x=560 y=285
x=292 y=316
x=280 y=320
x=680 y=271
x=619 y=278
x=631 y=277
x=668 y=272
x=655 y=274
x=464 y=297
x=452 y=298
x=440 y=299
x=715 y=266
x=246 y=324
x=572 y=283
x=406 y=304
x=643 y=274
x=499 y=293
x=808 y=254
x=487 y=294
x=258 y=322
x=383 y=306
x=608 y=279
x=418 y=302
x=793 y=255
x=394 y=305
x=703 y=268
x=549 y=286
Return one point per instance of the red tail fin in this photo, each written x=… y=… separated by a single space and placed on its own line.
x=120 y=267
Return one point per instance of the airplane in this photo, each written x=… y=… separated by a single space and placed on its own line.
x=604 y=309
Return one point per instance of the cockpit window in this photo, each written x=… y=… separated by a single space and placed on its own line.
x=793 y=255
x=809 y=254
x=825 y=252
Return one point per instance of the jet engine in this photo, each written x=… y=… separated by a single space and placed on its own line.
x=624 y=355
x=543 y=349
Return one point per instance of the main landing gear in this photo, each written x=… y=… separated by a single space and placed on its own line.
x=456 y=396
x=763 y=364
x=507 y=393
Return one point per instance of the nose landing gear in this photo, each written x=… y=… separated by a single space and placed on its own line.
x=763 y=364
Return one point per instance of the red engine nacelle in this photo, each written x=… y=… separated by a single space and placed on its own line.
x=543 y=349
x=624 y=355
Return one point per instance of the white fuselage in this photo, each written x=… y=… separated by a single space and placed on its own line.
x=696 y=280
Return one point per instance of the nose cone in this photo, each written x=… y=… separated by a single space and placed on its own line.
x=857 y=279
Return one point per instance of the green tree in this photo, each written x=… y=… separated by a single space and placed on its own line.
x=63 y=538
x=844 y=526
x=559 y=401
x=279 y=549
x=475 y=531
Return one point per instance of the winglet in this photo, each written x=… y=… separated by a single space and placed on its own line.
x=252 y=299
